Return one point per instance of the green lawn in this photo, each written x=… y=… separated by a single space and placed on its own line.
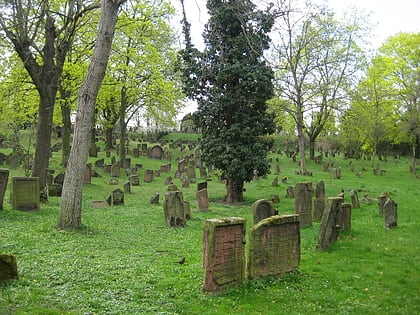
x=123 y=259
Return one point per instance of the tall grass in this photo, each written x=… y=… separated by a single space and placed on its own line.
x=123 y=259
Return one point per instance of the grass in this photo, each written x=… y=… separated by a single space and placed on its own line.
x=123 y=259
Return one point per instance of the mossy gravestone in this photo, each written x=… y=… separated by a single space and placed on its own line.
x=274 y=246
x=303 y=203
x=173 y=209
x=24 y=193
x=4 y=178
x=262 y=209
x=223 y=253
x=319 y=201
x=8 y=268
x=330 y=227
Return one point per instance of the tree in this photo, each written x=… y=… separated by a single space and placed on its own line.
x=41 y=33
x=317 y=57
x=233 y=83
x=71 y=200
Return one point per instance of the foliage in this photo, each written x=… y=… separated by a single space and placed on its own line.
x=122 y=260
x=232 y=86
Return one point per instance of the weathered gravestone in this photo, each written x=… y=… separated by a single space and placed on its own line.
x=203 y=200
x=344 y=217
x=382 y=198
x=303 y=203
x=24 y=193
x=187 y=210
x=8 y=268
x=148 y=176
x=274 y=246
x=116 y=197
x=290 y=192
x=127 y=187
x=336 y=173
x=319 y=201
x=59 y=179
x=156 y=152
x=100 y=163
x=88 y=174
x=173 y=209
x=262 y=209
x=390 y=214
x=223 y=253
x=115 y=170
x=134 y=180
x=330 y=228
x=155 y=198
x=4 y=178
x=55 y=190
x=354 y=199
x=191 y=174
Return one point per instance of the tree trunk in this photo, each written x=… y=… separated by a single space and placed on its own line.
x=123 y=126
x=301 y=146
x=234 y=191
x=108 y=138
x=312 y=148
x=43 y=141
x=71 y=200
x=66 y=135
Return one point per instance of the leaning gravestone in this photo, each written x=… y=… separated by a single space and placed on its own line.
x=354 y=199
x=262 y=209
x=390 y=214
x=24 y=193
x=303 y=203
x=274 y=246
x=173 y=209
x=223 y=253
x=319 y=201
x=116 y=197
x=344 y=220
x=8 y=268
x=4 y=178
x=330 y=228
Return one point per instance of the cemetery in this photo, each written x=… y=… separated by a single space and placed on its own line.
x=156 y=237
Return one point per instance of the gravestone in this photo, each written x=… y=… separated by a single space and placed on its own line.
x=274 y=246
x=116 y=197
x=136 y=152
x=100 y=163
x=156 y=152
x=277 y=171
x=115 y=170
x=173 y=208
x=181 y=165
x=127 y=187
x=201 y=185
x=330 y=228
x=303 y=203
x=344 y=218
x=24 y=193
x=134 y=180
x=290 y=192
x=155 y=198
x=148 y=176
x=354 y=199
x=55 y=190
x=275 y=181
x=191 y=174
x=2 y=158
x=262 y=209
x=168 y=180
x=8 y=268
x=59 y=179
x=203 y=200
x=107 y=168
x=187 y=210
x=4 y=178
x=157 y=173
x=127 y=163
x=336 y=173
x=381 y=201
x=390 y=214
x=319 y=201
x=203 y=172
x=223 y=253
x=88 y=174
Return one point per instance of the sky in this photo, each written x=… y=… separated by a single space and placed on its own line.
x=388 y=17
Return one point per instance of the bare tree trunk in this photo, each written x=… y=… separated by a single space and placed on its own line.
x=71 y=200
x=312 y=148
x=108 y=138
x=301 y=146
x=234 y=191
x=123 y=125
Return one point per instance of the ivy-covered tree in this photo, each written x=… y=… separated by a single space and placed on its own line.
x=232 y=84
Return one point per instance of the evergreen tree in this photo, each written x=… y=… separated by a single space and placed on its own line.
x=232 y=84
